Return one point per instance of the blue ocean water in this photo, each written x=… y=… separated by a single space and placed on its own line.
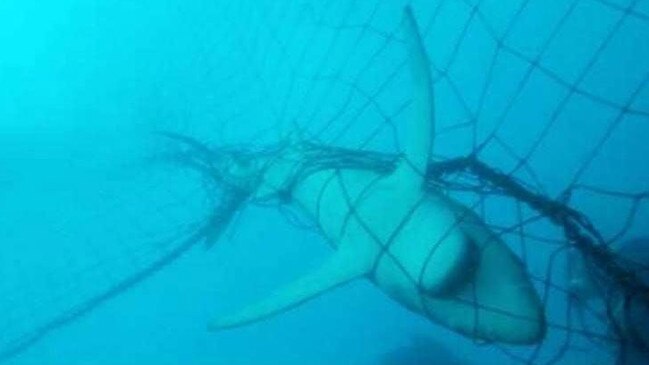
x=552 y=92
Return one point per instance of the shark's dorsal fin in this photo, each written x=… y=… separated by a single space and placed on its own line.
x=417 y=141
x=339 y=269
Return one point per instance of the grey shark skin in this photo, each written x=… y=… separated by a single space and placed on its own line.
x=426 y=251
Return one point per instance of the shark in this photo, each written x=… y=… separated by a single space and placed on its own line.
x=425 y=250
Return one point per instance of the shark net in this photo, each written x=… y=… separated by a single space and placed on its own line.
x=541 y=126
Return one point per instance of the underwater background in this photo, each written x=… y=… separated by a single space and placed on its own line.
x=553 y=92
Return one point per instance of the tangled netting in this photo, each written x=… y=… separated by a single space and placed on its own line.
x=542 y=117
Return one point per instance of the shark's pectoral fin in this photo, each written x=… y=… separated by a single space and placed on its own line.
x=420 y=126
x=339 y=269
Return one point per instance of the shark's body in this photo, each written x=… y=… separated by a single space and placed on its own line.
x=423 y=249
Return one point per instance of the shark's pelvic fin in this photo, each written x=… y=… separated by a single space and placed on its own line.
x=339 y=269
x=420 y=129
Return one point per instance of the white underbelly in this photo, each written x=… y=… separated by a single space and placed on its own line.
x=416 y=244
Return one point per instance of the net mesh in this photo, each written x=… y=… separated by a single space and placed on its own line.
x=541 y=110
